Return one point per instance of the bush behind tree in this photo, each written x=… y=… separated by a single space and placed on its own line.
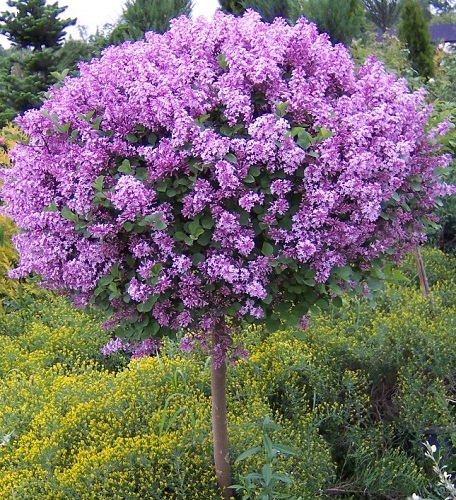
x=414 y=33
x=345 y=391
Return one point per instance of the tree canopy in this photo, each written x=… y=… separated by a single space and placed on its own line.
x=140 y=16
x=34 y=24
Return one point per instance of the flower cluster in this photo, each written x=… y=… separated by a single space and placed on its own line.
x=230 y=167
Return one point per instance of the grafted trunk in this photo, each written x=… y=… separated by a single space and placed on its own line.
x=219 y=420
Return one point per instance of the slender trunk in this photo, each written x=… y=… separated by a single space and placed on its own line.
x=421 y=272
x=219 y=422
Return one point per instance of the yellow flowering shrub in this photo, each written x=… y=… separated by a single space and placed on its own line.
x=11 y=291
x=354 y=395
x=139 y=433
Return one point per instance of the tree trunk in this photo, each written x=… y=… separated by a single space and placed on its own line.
x=421 y=272
x=219 y=421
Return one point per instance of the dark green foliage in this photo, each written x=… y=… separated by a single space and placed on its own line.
x=75 y=51
x=343 y=20
x=34 y=24
x=140 y=16
x=414 y=33
x=235 y=7
x=383 y=13
x=269 y=9
x=18 y=92
x=376 y=381
x=442 y=90
x=36 y=34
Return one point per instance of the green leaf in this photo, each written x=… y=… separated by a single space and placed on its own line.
x=105 y=280
x=222 y=61
x=66 y=213
x=337 y=302
x=304 y=139
x=285 y=449
x=125 y=168
x=226 y=130
x=201 y=119
x=335 y=288
x=244 y=218
x=374 y=284
x=160 y=225
x=98 y=184
x=197 y=258
x=323 y=304
x=162 y=186
x=207 y=222
x=284 y=478
x=299 y=335
x=141 y=173
x=97 y=122
x=323 y=134
x=248 y=453
x=230 y=157
x=267 y=474
x=268 y=299
x=179 y=236
x=255 y=171
x=204 y=239
x=128 y=226
x=233 y=309
x=147 y=306
x=156 y=269
x=267 y=249
x=131 y=138
x=281 y=109
x=155 y=220
x=115 y=270
x=268 y=446
x=345 y=273
x=51 y=208
x=272 y=324
x=194 y=226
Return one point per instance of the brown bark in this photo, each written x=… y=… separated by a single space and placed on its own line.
x=421 y=272
x=219 y=422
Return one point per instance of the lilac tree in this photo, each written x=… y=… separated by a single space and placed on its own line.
x=226 y=169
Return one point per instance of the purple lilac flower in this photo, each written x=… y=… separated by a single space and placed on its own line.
x=236 y=191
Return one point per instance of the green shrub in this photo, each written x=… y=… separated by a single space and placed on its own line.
x=355 y=395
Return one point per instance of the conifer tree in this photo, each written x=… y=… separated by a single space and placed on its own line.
x=34 y=24
x=36 y=33
x=140 y=16
x=383 y=13
x=342 y=20
x=414 y=33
